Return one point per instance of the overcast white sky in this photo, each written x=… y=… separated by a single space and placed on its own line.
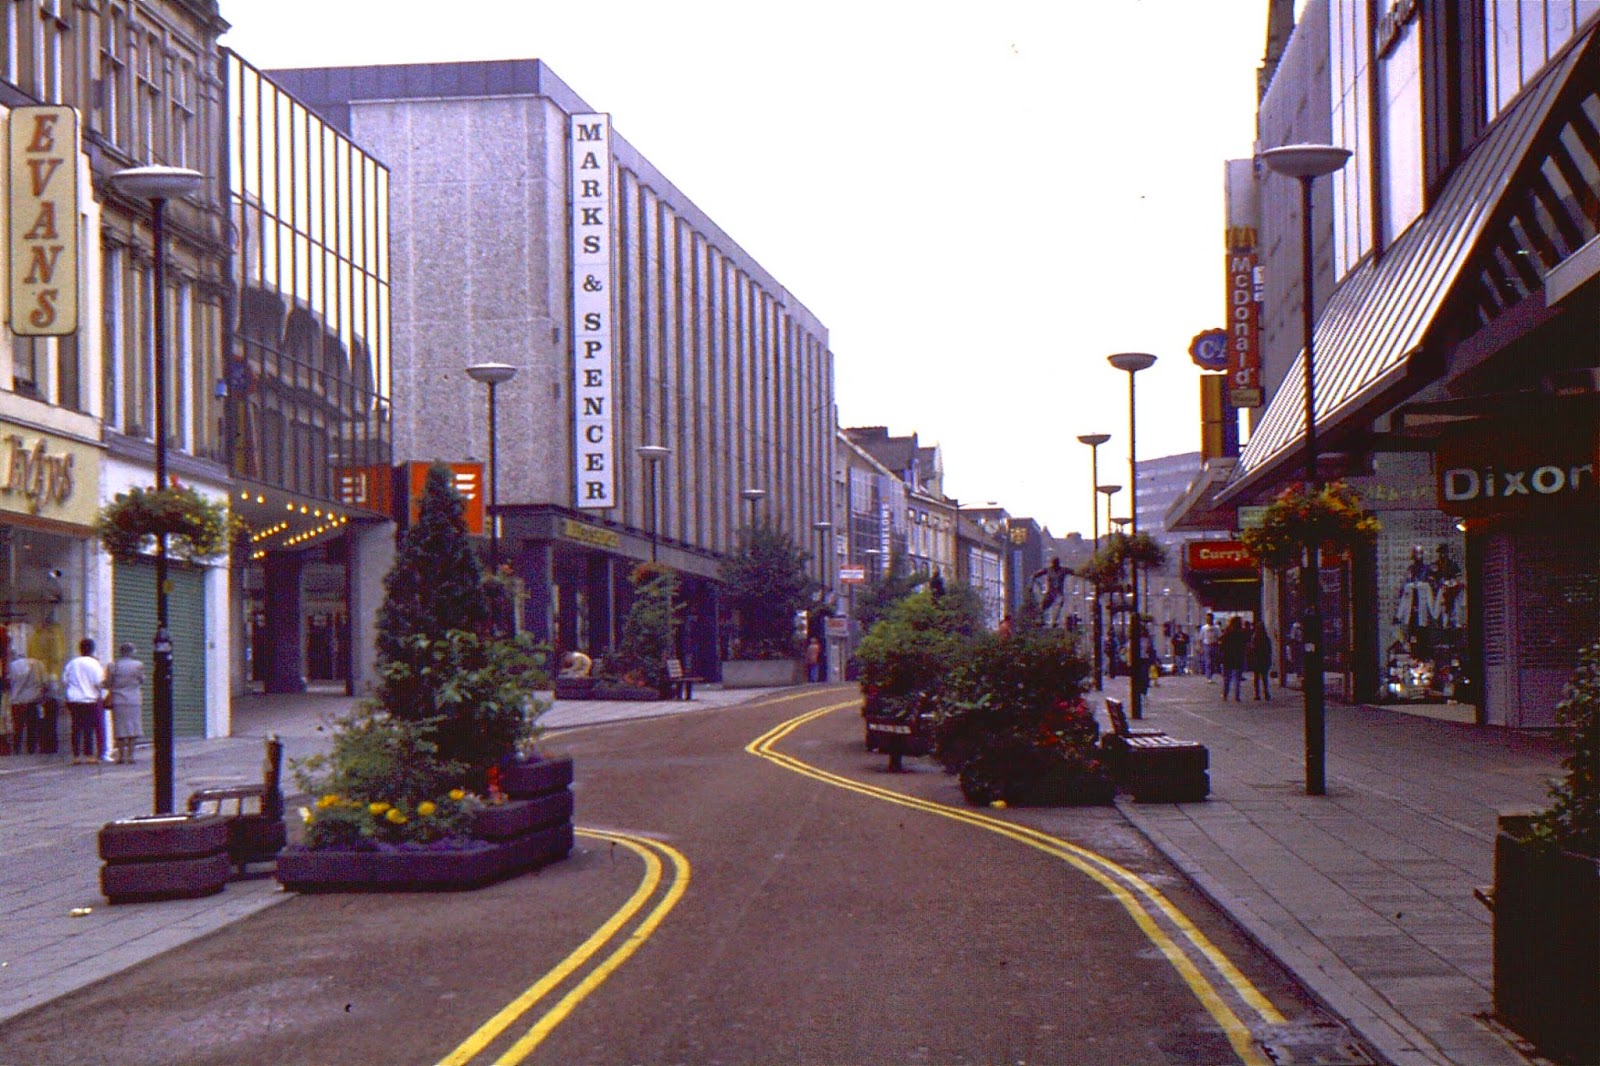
x=980 y=201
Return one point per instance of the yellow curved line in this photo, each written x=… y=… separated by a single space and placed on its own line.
x=507 y=1016
x=557 y=1014
x=1112 y=876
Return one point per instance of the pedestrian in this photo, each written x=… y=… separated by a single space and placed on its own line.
x=813 y=660
x=124 y=686
x=1233 y=647
x=83 y=679
x=1054 y=603
x=25 y=679
x=1210 y=648
x=1180 y=650
x=1260 y=658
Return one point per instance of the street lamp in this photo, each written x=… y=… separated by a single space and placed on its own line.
x=824 y=529
x=1094 y=440
x=493 y=374
x=1309 y=162
x=158 y=185
x=1109 y=491
x=753 y=497
x=653 y=454
x=1133 y=362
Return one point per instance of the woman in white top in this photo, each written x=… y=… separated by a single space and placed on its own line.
x=83 y=678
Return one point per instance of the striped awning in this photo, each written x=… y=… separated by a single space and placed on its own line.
x=1380 y=316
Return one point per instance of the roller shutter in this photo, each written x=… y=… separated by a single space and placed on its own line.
x=134 y=619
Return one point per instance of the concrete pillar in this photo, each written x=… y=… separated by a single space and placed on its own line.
x=369 y=559
x=284 y=670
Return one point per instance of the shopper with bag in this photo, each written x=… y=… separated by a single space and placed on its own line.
x=125 y=699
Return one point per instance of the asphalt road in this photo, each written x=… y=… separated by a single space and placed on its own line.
x=750 y=891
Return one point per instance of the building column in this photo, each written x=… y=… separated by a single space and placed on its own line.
x=368 y=558
x=284 y=670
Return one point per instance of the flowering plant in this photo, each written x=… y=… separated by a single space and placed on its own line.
x=1332 y=517
x=345 y=822
x=195 y=527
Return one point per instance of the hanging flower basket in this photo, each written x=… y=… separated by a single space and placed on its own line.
x=1331 y=518
x=195 y=527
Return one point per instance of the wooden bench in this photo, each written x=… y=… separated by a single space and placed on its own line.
x=253 y=835
x=1154 y=767
x=682 y=684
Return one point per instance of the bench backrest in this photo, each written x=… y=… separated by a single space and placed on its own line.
x=1119 y=718
x=675 y=669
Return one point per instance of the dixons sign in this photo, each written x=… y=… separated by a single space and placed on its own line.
x=1504 y=470
x=593 y=446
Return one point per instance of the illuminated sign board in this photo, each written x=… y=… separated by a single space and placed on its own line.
x=594 y=423
x=1244 y=285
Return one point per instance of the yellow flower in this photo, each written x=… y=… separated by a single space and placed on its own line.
x=998 y=805
x=378 y=808
x=330 y=800
x=426 y=808
x=458 y=794
x=305 y=815
x=395 y=816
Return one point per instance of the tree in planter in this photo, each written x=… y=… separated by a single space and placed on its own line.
x=881 y=595
x=907 y=657
x=765 y=586
x=649 y=633
x=440 y=667
x=1017 y=729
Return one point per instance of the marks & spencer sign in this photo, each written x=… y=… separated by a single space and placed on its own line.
x=42 y=205
x=594 y=425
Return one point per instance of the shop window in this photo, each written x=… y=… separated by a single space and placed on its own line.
x=25 y=367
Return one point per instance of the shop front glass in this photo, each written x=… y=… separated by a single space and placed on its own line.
x=41 y=595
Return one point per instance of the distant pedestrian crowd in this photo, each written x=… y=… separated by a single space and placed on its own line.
x=103 y=704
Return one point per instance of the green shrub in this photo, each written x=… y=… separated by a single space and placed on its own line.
x=1572 y=821
x=765 y=586
x=910 y=655
x=649 y=633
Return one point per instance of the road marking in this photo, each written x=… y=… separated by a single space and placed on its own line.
x=651 y=852
x=1124 y=885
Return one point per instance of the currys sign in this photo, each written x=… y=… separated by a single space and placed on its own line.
x=593 y=447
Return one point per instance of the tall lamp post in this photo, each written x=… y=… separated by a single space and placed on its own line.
x=1094 y=440
x=158 y=185
x=1308 y=162
x=653 y=454
x=493 y=375
x=753 y=497
x=824 y=530
x=1133 y=362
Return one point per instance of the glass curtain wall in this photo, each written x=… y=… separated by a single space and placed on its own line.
x=309 y=366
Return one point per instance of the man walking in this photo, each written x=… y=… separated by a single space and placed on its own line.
x=1210 y=646
x=84 y=678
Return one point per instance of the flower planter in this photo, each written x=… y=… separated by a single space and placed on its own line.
x=619 y=690
x=527 y=779
x=1547 y=945
x=574 y=688
x=761 y=673
x=402 y=868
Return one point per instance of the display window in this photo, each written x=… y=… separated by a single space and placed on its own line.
x=41 y=594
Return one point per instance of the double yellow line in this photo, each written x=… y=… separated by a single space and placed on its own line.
x=652 y=852
x=1151 y=911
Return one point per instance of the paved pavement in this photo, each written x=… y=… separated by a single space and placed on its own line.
x=1365 y=893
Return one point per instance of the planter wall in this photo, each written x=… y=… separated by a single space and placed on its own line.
x=761 y=673
x=530 y=830
x=164 y=857
x=1547 y=945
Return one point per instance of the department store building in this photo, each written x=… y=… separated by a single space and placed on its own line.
x=528 y=232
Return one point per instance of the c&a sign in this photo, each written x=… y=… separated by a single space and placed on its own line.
x=43 y=209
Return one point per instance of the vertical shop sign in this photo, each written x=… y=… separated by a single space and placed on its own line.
x=42 y=207
x=1244 y=286
x=594 y=449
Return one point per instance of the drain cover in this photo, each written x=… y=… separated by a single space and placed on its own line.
x=1311 y=1044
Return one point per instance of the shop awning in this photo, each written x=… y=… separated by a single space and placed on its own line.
x=1380 y=316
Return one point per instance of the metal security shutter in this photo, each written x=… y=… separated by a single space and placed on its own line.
x=134 y=619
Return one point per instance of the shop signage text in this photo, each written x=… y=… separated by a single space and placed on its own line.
x=1244 y=329
x=852 y=575
x=47 y=476
x=1220 y=556
x=590 y=535
x=1521 y=473
x=43 y=210
x=593 y=449
x=467 y=479
x=34 y=475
